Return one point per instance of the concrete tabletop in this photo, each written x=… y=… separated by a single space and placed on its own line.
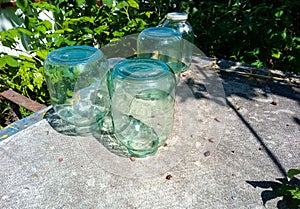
x=234 y=137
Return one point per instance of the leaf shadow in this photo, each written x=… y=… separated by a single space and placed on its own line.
x=270 y=192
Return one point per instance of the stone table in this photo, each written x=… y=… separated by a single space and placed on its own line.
x=233 y=138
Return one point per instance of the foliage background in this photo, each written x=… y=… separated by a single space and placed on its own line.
x=263 y=33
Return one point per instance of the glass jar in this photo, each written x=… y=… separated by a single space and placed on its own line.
x=163 y=44
x=142 y=100
x=179 y=22
x=76 y=80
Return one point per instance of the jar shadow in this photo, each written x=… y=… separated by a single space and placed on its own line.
x=105 y=136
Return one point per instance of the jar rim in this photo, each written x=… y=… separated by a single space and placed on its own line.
x=160 y=32
x=74 y=55
x=141 y=69
x=177 y=16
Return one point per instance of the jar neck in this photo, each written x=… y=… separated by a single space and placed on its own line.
x=176 y=20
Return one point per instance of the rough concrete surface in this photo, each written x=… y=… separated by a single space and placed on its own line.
x=233 y=137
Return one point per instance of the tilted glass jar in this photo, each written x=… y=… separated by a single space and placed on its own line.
x=76 y=81
x=142 y=101
x=161 y=43
x=179 y=22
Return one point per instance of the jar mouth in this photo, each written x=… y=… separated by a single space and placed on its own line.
x=74 y=55
x=160 y=32
x=142 y=69
x=177 y=16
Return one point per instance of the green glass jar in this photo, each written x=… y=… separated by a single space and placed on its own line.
x=163 y=44
x=76 y=80
x=142 y=101
x=178 y=21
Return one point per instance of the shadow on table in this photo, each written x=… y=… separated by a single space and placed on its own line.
x=246 y=87
x=287 y=202
x=281 y=84
x=105 y=137
x=274 y=190
x=259 y=139
x=297 y=120
x=233 y=83
x=242 y=87
x=203 y=83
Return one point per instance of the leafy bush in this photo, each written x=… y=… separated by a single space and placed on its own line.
x=264 y=33
x=74 y=22
x=290 y=191
x=287 y=189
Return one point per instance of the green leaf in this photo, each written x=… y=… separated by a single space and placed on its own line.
x=38 y=79
x=13 y=32
x=58 y=40
x=87 y=19
x=77 y=20
x=26 y=58
x=257 y=63
x=293 y=172
x=70 y=43
x=133 y=3
x=47 y=24
x=276 y=53
x=118 y=34
x=283 y=34
x=87 y=30
x=126 y=28
x=22 y=4
x=42 y=53
x=2 y=62
x=100 y=29
x=27 y=65
x=30 y=86
x=41 y=29
x=141 y=24
x=283 y=190
x=279 y=13
x=11 y=61
x=69 y=30
x=69 y=93
x=60 y=31
x=25 y=31
x=122 y=4
x=295 y=193
x=80 y=2
x=108 y=3
x=148 y=13
x=44 y=6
